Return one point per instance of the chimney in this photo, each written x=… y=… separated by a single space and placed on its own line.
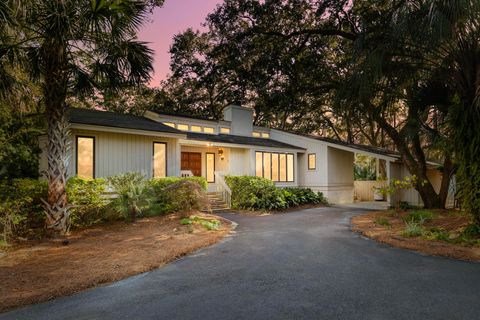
x=241 y=120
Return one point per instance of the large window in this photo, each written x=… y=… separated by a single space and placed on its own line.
x=159 y=160
x=195 y=128
x=183 y=127
x=275 y=166
x=208 y=130
x=210 y=167
x=85 y=157
x=312 y=161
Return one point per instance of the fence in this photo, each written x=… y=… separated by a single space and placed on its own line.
x=363 y=190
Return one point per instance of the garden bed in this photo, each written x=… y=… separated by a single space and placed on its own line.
x=434 y=232
x=37 y=271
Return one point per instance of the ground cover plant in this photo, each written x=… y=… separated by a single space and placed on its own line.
x=256 y=193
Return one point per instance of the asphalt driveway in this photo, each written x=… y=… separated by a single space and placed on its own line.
x=298 y=265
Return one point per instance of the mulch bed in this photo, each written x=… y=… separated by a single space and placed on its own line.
x=37 y=271
x=366 y=225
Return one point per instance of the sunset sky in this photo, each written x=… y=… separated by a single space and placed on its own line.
x=174 y=17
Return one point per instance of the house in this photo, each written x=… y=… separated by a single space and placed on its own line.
x=158 y=145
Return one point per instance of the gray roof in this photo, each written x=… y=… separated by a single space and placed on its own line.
x=229 y=138
x=361 y=147
x=117 y=120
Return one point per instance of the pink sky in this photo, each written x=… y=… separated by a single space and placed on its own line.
x=174 y=17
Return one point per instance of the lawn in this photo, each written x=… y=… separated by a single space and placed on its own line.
x=446 y=233
x=37 y=271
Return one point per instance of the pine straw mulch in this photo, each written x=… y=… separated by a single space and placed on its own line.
x=451 y=221
x=37 y=271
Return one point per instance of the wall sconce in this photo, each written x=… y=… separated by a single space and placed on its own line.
x=220 y=154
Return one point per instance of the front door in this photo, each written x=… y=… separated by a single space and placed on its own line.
x=192 y=161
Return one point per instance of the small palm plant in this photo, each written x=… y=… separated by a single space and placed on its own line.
x=133 y=200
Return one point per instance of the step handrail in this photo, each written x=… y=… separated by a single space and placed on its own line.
x=223 y=188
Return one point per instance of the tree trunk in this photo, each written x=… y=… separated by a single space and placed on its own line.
x=55 y=93
x=134 y=214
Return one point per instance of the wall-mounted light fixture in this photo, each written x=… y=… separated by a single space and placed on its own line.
x=220 y=154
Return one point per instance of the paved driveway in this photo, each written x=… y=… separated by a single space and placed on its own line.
x=299 y=265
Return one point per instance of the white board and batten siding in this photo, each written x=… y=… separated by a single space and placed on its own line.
x=118 y=153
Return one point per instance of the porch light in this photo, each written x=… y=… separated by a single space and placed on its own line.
x=220 y=153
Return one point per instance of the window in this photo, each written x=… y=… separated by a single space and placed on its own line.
x=210 y=167
x=278 y=167
x=265 y=135
x=196 y=128
x=256 y=134
x=170 y=124
x=225 y=130
x=159 y=160
x=208 y=130
x=312 y=161
x=85 y=157
x=267 y=165
x=275 y=166
x=183 y=127
x=290 y=167
x=259 y=164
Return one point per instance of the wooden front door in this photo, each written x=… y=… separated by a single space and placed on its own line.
x=192 y=161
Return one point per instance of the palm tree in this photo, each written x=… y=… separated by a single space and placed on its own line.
x=76 y=48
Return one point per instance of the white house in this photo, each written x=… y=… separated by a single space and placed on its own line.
x=159 y=145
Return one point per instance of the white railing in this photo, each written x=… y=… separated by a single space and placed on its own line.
x=223 y=188
x=186 y=173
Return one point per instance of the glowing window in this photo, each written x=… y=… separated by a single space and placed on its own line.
x=159 y=160
x=170 y=124
x=312 y=161
x=267 y=165
x=196 y=128
x=210 y=167
x=290 y=168
x=86 y=157
x=225 y=130
x=256 y=134
x=275 y=166
x=259 y=164
x=208 y=130
x=183 y=127
x=265 y=135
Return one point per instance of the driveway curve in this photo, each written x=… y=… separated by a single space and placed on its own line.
x=299 y=265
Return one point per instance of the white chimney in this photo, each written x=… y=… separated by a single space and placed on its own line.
x=241 y=120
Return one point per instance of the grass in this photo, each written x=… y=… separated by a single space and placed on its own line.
x=382 y=221
x=209 y=224
x=419 y=216
x=412 y=229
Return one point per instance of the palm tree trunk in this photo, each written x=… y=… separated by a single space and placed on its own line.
x=58 y=144
x=55 y=93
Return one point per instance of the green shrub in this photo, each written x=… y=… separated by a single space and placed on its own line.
x=209 y=224
x=419 y=216
x=122 y=183
x=21 y=208
x=412 y=229
x=255 y=193
x=299 y=196
x=158 y=184
x=89 y=207
x=382 y=221
x=133 y=200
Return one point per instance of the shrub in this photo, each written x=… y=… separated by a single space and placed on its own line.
x=436 y=233
x=209 y=224
x=185 y=195
x=123 y=182
x=89 y=207
x=158 y=184
x=133 y=199
x=21 y=208
x=255 y=193
x=298 y=196
x=412 y=229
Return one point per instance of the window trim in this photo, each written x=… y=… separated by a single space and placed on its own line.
x=153 y=158
x=279 y=167
x=206 y=166
x=94 y=174
x=308 y=161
